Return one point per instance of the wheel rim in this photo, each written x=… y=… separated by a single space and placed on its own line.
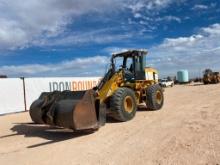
x=128 y=104
x=159 y=97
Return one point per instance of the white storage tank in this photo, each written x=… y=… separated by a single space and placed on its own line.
x=183 y=76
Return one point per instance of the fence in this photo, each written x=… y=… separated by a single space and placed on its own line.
x=16 y=95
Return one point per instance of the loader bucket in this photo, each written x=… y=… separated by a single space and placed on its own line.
x=77 y=114
x=76 y=110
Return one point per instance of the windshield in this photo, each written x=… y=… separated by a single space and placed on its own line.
x=118 y=61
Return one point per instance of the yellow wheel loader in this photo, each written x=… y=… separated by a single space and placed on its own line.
x=126 y=84
x=210 y=77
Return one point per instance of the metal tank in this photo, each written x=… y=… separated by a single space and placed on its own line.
x=183 y=76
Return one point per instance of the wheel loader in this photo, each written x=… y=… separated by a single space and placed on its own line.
x=126 y=85
x=210 y=77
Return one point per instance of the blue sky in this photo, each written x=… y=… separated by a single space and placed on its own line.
x=76 y=37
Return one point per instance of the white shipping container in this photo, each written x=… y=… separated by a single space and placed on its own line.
x=35 y=86
x=11 y=95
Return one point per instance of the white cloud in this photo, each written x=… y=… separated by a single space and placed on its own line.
x=200 y=7
x=195 y=52
x=139 y=5
x=136 y=6
x=169 y=18
x=99 y=36
x=91 y=66
x=149 y=6
x=112 y=50
x=137 y=15
x=11 y=35
x=26 y=21
x=181 y=41
x=172 y=18
x=147 y=13
x=30 y=22
x=213 y=29
x=159 y=3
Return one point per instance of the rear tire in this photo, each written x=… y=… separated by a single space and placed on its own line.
x=155 y=97
x=123 y=104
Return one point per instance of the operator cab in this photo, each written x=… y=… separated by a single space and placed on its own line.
x=133 y=63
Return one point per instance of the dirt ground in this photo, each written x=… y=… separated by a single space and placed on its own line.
x=185 y=131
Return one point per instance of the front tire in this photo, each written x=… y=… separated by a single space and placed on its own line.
x=35 y=111
x=123 y=104
x=155 y=97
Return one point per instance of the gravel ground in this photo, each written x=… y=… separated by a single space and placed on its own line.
x=185 y=131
